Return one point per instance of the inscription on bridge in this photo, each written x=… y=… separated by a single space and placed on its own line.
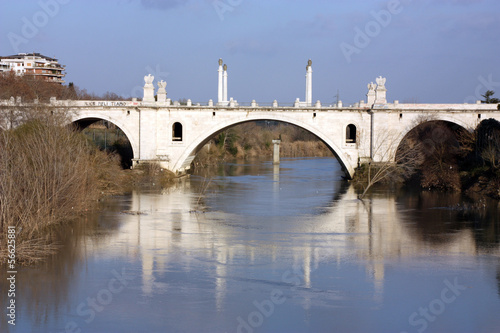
x=106 y=103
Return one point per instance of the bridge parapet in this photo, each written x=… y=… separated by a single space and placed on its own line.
x=437 y=107
x=254 y=106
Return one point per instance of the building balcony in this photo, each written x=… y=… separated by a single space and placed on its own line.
x=52 y=74
x=47 y=73
x=47 y=65
x=60 y=68
x=54 y=79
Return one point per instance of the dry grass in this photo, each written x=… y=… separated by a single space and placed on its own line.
x=49 y=174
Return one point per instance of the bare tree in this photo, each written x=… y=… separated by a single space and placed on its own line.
x=490 y=154
x=440 y=148
x=393 y=163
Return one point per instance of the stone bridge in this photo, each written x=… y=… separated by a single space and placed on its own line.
x=171 y=134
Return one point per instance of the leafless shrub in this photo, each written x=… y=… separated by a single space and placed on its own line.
x=49 y=174
x=393 y=163
x=440 y=148
x=32 y=87
x=488 y=142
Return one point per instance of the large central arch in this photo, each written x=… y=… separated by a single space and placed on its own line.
x=195 y=146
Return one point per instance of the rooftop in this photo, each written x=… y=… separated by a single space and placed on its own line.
x=23 y=55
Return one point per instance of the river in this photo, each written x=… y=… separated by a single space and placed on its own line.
x=256 y=247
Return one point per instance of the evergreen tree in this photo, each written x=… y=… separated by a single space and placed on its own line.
x=488 y=99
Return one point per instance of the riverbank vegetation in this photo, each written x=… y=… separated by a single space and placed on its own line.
x=254 y=139
x=51 y=173
x=480 y=162
x=441 y=156
x=394 y=164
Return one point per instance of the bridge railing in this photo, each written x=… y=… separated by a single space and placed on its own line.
x=266 y=105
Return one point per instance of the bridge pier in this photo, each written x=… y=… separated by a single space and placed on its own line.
x=276 y=152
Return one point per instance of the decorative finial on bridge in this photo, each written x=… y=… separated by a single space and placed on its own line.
x=149 y=79
x=309 y=63
x=225 y=67
x=149 y=89
x=220 y=61
x=371 y=94
x=381 y=81
x=380 y=91
x=162 y=84
x=161 y=95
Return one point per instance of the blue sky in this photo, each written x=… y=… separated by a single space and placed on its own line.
x=431 y=51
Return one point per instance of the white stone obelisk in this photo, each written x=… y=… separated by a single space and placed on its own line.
x=309 y=83
x=220 y=91
x=224 y=98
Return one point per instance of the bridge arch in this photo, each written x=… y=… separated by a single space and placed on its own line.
x=449 y=119
x=425 y=118
x=86 y=119
x=202 y=138
x=431 y=133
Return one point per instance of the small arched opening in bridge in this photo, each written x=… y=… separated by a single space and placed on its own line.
x=350 y=134
x=177 y=132
x=108 y=137
x=433 y=151
x=253 y=138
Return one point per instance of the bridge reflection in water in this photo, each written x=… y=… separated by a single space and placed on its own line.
x=200 y=256
x=172 y=229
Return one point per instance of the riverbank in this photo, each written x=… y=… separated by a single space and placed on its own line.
x=476 y=186
x=51 y=175
x=483 y=186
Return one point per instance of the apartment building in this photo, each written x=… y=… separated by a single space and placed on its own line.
x=34 y=64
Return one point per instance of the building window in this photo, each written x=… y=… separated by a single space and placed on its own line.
x=177 y=132
x=350 y=134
